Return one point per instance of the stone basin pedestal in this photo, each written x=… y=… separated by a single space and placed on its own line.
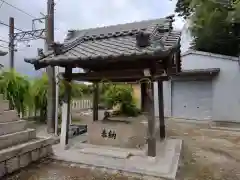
x=126 y=132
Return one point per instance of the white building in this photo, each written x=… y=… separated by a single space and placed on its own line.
x=215 y=94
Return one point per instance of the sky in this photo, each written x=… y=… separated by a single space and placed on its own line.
x=75 y=14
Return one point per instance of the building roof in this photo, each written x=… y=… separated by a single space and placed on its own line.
x=197 y=73
x=151 y=38
x=202 y=53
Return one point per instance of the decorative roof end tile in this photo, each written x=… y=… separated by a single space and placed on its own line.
x=57 y=48
x=40 y=53
x=143 y=39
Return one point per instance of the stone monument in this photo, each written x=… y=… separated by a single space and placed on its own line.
x=125 y=132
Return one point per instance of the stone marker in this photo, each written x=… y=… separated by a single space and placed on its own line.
x=126 y=132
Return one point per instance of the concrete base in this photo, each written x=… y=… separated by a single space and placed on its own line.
x=19 y=156
x=8 y=116
x=18 y=145
x=12 y=127
x=163 y=166
x=17 y=138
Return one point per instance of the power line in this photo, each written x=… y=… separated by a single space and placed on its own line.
x=9 y=26
x=4 y=46
x=25 y=32
x=15 y=49
x=1 y=4
x=3 y=41
x=24 y=12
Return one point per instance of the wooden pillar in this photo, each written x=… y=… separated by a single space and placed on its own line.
x=143 y=95
x=66 y=107
x=161 y=110
x=151 y=121
x=95 y=101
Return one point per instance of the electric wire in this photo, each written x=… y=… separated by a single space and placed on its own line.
x=1 y=4
x=20 y=10
x=3 y=46
x=2 y=23
x=3 y=41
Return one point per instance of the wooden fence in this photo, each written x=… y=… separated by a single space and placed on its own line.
x=77 y=105
x=83 y=104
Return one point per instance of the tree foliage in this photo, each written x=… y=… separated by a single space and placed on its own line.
x=32 y=95
x=211 y=25
x=38 y=94
x=15 y=88
x=121 y=95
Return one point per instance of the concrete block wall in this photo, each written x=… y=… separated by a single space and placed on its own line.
x=19 y=146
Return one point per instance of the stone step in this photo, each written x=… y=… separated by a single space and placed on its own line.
x=9 y=116
x=19 y=156
x=4 y=105
x=12 y=127
x=17 y=138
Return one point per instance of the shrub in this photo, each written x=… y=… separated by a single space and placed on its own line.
x=121 y=95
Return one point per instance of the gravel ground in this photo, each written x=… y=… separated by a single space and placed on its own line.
x=49 y=170
x=206 y=155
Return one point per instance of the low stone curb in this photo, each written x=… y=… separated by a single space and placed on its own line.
x=20 y=156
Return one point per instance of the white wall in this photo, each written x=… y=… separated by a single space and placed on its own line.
x=226 y=86
x=166 y=98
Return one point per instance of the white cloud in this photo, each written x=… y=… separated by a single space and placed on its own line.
x=79 y=14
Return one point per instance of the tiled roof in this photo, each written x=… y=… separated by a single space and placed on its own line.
x=116 y=41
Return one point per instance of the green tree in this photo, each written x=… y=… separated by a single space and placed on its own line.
x=211 y=25
x=15 y=88
x=38 y=93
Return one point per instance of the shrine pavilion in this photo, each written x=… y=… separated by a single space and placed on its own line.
x=143 y=52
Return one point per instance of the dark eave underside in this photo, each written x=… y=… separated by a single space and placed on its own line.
x=133 y=75
x=100 y=62
x=138 y=75
x=199 y=72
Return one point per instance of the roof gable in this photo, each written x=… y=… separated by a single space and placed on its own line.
x=141 y=25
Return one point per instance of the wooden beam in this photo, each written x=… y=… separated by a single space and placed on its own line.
x=115 y=76
x=143 y=95
x=161 y=111
x=95 y=101
x=151 y=121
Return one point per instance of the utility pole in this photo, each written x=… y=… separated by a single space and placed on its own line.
x=51 y=107
x=11 y=49
x=11 y=42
